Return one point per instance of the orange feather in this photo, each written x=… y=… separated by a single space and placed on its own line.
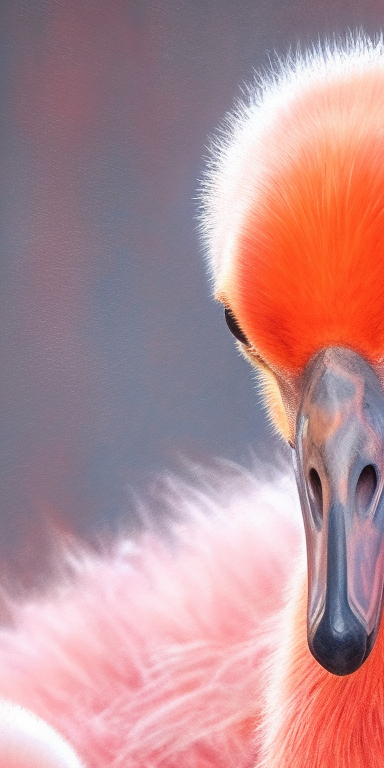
x=301 y=261
x=313 y=718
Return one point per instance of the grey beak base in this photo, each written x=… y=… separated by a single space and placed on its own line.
x=339 y=463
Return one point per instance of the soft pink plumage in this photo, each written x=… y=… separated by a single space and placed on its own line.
x=151 y=655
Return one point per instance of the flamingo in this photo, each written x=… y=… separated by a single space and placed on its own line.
x=215 y=645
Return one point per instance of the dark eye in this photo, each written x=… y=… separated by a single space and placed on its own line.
x=234 y=327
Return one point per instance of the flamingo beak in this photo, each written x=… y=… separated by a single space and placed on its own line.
x=339 y=464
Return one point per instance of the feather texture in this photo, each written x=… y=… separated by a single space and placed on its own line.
x=151 y=655
x=293 y=207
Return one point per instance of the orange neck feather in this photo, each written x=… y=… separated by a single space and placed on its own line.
x=332 y=721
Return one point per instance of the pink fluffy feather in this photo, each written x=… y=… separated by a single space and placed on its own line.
x=151 y=654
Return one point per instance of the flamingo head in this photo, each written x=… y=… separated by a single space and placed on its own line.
x=294 y=222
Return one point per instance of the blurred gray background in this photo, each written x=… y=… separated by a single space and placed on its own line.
x=115 y=362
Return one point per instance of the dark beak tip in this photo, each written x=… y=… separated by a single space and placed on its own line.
x=338 y=664
x=340 y=653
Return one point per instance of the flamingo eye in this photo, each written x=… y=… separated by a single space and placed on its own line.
x=234 y=327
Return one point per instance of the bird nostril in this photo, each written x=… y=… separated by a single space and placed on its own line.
x=316 y=497
x=365 y=489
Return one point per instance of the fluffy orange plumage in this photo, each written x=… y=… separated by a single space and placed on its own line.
x=301 y=260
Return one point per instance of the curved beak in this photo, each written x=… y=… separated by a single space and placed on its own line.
x=339 y=464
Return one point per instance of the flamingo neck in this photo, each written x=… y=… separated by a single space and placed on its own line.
x=313 y=718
